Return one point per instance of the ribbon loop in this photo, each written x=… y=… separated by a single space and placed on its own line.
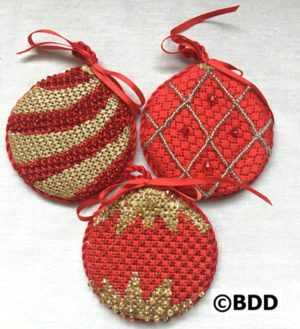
x=187 y=47
x=84 y=52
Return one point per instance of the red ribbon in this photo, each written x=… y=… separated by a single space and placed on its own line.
x=188 y=47
x=192 y=49
x=145 y=180
x=84 y=52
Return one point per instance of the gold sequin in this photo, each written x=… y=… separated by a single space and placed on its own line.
x=32 y=147
x=42 y=100
x=149 y=203
x=157 y=308
x=70 y=180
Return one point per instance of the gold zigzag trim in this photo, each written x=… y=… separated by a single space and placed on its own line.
x=69 y=181
x=148 y=203
x=32 y=147
x=42 y=100
x=157 y=308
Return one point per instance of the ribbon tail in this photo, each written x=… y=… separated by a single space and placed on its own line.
x=201 y=18
x=227 y=69
x=109 y=78
x=257 y=193
x=177 y=182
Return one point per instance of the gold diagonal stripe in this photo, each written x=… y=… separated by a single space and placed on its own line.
x=42 y=100
x=69 y=181
x=32 y=147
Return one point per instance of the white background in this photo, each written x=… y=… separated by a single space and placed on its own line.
x=42 y=282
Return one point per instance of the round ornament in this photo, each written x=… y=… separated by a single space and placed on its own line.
x=149 y=254
x=72 y=133
x=207 y=120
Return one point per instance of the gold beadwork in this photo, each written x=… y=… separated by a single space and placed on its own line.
x=43 y=100
x=87 y=69
x=149 y=203
x=157 y=308
x=70 y=180
x=26 y=147
x=204 y=66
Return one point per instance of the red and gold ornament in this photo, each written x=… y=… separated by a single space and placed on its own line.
x=72 y=134
x=207 y=120
x=148 y=252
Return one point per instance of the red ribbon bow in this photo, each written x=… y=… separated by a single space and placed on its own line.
x=84 y=52
x=145 y=180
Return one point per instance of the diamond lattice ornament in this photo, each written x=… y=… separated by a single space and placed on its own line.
x=207 y=121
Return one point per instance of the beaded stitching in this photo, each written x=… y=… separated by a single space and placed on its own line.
x=146 y=234
x=50 y=151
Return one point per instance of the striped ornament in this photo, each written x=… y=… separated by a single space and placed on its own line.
x=70 y=136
